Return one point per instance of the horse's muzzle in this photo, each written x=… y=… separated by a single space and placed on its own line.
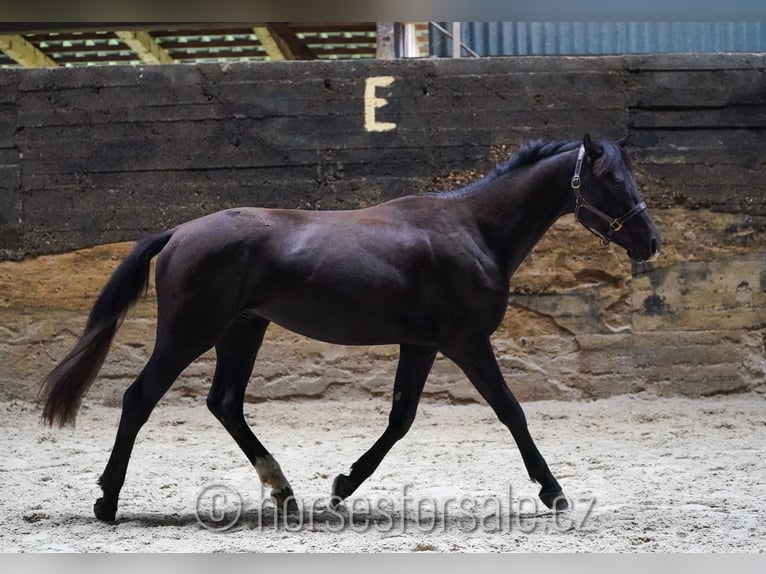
x=647 y=252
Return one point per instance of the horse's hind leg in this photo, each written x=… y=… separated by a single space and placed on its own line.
x=477 y=360
x=236 y=351
x=411 y=374
x=165 y=364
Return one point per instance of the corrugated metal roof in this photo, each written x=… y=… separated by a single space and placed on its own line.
x=584 y=38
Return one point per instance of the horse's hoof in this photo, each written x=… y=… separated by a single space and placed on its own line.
x=554 y=499
x=342 y=488
x=104 y=510
x=285 y=500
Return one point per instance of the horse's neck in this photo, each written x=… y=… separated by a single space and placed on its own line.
x=517 y=208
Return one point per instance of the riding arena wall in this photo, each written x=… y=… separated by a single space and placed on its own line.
x=93 y=158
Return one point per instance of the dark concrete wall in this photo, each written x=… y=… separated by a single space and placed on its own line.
x=91 y=156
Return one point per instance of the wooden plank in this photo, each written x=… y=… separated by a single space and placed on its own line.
x=8 y=125
x=213 y=154
x=335 y=51
x=89 y=50
x=681 y=63
x=10 y=197
x=672 y=145
x=695 y=88
x=410 y=114
x=108 y=57
x=217 y=54
x=60 y=80
x=177 y=44
x=364 y=40
x=8 y=108
x=511 y=91
x=55 y=38
x=24 y=52
x=145 y=47
x=69 y=28
x=111 y=153
x=87 y=210
x=313 y=27
x=281 y=42
x=416 y=71
x=202 y=31
x=717 y=117
x=296 y=131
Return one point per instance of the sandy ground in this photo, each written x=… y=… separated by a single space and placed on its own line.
x=644 y=474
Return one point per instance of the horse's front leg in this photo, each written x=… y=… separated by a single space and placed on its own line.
x=476 y=359
x=411 y=374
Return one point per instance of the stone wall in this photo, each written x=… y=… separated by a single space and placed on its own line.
x=91 y=159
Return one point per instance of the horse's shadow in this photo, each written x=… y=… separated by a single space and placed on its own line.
x=144 y=519
x=323 y=519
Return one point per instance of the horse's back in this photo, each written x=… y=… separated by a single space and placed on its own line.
x=384 y=274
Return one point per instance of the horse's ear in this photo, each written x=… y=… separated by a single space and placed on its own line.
x=593 y=150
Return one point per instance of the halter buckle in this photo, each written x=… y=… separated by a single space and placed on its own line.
x=576 y=182
x=615 y=225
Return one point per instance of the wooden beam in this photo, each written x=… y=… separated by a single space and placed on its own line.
x=146 y=47
x=25 y=53
x=315 y=27
x=281 y=43
x=67 y=27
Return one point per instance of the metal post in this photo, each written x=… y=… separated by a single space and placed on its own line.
x=410 y=41
x=457 y=50
x=386 y=49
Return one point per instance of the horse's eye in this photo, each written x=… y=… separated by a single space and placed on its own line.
x=617 y=185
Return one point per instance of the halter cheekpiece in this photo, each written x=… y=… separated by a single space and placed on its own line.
x=615 y=223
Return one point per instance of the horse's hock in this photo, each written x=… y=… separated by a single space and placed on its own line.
x=91 y=159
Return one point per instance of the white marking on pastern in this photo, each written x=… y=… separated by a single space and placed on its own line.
x=270 y=474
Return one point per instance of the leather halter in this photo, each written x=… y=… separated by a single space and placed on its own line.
x=615 y=223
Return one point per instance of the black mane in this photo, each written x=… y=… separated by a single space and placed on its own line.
x=531 y=152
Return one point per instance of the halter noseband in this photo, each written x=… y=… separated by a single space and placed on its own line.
x=615 y=223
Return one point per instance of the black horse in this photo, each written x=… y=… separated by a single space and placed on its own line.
x=429 y=272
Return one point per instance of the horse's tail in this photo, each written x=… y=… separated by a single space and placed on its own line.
x=63 y=389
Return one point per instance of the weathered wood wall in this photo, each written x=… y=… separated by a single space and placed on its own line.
x=103 y=155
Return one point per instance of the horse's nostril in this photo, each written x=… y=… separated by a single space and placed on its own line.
x=655 y=246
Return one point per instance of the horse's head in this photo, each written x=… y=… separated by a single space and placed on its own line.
x=607 y=201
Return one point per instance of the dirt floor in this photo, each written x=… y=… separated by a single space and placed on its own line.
x=644 y=474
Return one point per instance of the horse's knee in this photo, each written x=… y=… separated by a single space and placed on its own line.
x=398 y=433
x=399 y=425
x=214 y=405
x=131 y=397
x=135 y=408
x=225 y=410
x=515 y=420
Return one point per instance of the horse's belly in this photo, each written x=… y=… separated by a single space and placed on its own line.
x=350 y=325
